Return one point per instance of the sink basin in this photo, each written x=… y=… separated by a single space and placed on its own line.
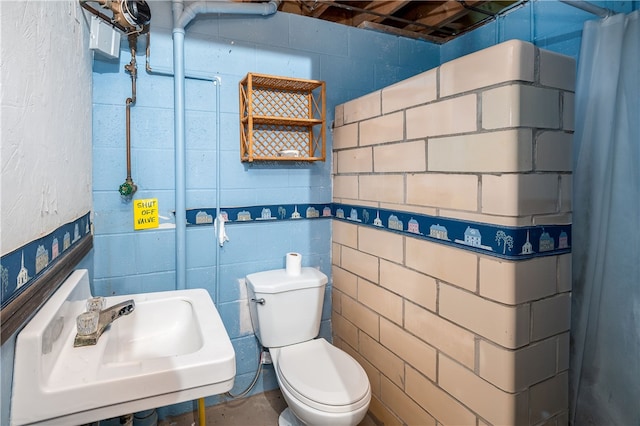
x=172 y=348
x=160 y=327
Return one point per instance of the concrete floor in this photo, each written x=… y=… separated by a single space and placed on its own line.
x=257 y=410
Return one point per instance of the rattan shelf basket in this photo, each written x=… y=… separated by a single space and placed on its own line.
x=282 y=119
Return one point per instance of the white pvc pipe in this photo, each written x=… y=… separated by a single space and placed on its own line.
x=181 y=19
x=218 y=83
x=225 y=8
x=180 y=160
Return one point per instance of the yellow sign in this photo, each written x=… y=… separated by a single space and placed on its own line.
x=145 y=214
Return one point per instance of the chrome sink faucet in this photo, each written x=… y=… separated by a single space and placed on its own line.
x=92 y=323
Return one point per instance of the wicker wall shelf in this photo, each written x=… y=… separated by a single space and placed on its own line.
x=282 y=119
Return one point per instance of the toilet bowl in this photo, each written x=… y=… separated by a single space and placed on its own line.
x=322 y=384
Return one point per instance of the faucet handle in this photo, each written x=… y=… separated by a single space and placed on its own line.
x=87 y=322
x=91 y=324
x=96 y=304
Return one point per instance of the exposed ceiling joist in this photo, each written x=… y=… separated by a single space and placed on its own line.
x=443 y=14
x=432 y=20
x=382 y=9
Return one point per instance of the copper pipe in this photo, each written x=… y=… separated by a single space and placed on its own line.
x=128 y=188
x=117 y=19
x=148 y=53
x=133 y=70
x=84 y=5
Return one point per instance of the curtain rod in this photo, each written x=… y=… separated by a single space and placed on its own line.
x=589 y=7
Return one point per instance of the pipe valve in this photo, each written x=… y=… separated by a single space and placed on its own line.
x=128 y=188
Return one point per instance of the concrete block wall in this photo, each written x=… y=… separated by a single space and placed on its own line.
x=449 y=335
x=128 y=261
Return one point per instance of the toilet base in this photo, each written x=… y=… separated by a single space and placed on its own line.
x=287 y=418
x=315 y=417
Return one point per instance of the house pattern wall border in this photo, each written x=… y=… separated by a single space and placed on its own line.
x=20 y=267
x=511 y=243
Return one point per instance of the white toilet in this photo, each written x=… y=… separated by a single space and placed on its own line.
x=322 y=384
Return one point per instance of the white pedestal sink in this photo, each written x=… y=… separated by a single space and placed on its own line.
x=172 y=348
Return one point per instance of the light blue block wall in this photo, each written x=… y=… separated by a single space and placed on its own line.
x=352 y=62
x=549 y=24
x=283 y=45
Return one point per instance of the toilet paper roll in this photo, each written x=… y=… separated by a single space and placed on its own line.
x=294 y=264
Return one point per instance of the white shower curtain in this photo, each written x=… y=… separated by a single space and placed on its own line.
x=605 y=343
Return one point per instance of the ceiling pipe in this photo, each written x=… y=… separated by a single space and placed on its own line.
x=589 y=7
x=224 y=8
x=128 y=16
x=182 y=17
x=105 y=18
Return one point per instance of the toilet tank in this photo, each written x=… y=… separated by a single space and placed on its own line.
x=292 y=306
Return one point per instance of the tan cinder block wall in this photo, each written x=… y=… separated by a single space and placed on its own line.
x=446 y=335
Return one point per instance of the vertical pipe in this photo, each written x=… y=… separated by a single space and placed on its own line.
x=217 y=82
x=532 y=23
x=133 y=70
x=128 y=188
x=181 y=18
x=202 y=417
x=179 y=136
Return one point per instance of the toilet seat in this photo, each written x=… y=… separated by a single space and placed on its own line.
x=323 y=376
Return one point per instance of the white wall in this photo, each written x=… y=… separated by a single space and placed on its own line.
x=45 y=88
x=45 y=130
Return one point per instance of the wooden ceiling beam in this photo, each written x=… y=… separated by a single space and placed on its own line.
x=443 y=14
x=320 y=8
x=374 y=26
x=383 y=9
x=434 y=20
x=304 y=8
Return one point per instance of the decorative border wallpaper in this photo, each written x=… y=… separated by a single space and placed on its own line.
x=206 y=216
x=21 y=266
x=512 y=243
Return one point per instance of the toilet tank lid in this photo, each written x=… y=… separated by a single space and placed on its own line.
x=277 y=281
